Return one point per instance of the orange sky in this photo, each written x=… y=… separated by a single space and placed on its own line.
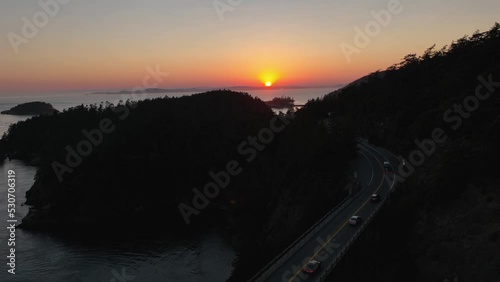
x=110 y=45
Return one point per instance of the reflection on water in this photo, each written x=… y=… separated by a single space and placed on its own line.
x=45 y=256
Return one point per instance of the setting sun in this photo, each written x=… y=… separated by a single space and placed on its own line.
x=268 y=78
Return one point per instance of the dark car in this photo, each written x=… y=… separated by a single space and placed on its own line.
x=375 y=198
x=355 y=219
x=311 y=267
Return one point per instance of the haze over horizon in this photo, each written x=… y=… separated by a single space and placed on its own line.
x=250 y=140
x=91 y=46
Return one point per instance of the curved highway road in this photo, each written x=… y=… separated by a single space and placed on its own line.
x=328 y=241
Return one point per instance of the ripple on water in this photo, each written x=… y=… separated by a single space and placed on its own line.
x=45 y=256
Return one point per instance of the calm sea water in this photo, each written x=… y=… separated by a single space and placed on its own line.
x=45 y=256
x=66 y=100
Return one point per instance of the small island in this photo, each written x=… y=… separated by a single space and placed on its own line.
x=281 y=102
x=31 y=109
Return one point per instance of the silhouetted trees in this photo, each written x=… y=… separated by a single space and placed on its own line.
x=406 y=103
x=160 y=149
x=31 y=108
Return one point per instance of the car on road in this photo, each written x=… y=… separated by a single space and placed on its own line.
x=311 y=267
x=387 y=164
x=375 y=198
x=355 y=219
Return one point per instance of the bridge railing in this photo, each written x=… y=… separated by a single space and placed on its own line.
x=276 y=263
x=349 y=243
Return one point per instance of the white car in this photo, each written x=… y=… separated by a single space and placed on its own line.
x=355 y=219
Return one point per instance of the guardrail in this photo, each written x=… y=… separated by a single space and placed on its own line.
x=272 y=266
x=346 y=247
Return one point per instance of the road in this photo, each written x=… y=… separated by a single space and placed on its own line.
x=329 y=240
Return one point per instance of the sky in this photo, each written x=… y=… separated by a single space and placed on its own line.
x=64 y=45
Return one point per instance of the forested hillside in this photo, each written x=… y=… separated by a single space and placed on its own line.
x=113 y=165
x=444 y=220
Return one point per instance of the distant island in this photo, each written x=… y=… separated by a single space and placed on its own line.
x=151 y=91
x=281 y=102
x=31 y=109
x=205 y=89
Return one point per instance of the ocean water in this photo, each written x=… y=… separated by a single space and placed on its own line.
x=63 y=101
x=46 y=256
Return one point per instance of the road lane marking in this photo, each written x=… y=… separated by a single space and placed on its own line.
x=345 y=223
x=385 y=158
x=371 y=179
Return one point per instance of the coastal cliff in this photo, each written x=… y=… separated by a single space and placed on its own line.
x=109 y=166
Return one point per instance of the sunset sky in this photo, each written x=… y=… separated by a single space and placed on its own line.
x=90 y=45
